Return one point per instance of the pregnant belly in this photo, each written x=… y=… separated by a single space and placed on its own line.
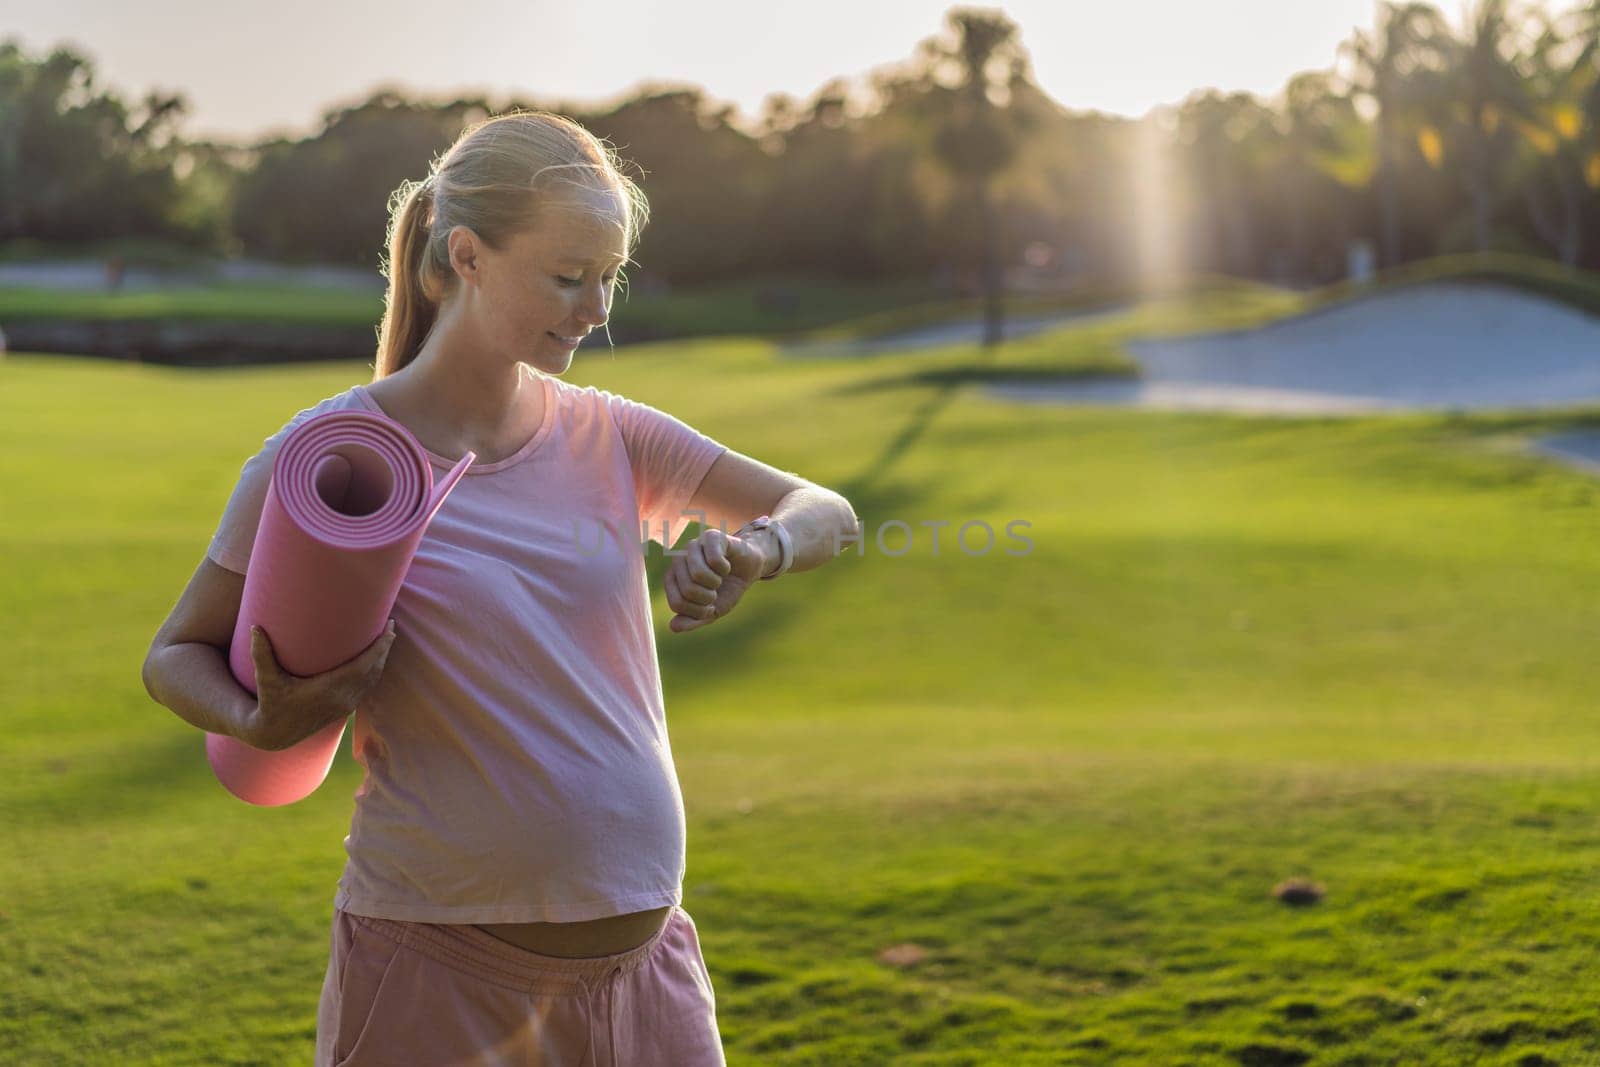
x=595 y=937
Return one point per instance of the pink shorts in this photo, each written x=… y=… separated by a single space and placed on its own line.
x=432 y=995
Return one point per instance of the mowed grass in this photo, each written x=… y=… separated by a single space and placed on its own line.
x=1356 y=651
x=765 y=306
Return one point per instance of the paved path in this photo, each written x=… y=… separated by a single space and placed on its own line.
x=1450 y=346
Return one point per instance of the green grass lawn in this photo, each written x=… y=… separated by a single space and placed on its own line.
x=234 y=302
x=798 y=308
x=1358 y=651
x=743 y=307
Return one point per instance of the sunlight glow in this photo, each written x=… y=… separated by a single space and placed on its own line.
x=1157 y=236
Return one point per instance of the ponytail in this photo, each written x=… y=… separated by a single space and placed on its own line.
x=412 y=301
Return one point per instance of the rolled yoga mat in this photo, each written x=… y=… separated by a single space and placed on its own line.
x=351 y=494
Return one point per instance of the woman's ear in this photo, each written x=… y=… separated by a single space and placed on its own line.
x=463 y=246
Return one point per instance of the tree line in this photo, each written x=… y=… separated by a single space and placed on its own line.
x=1423 y=136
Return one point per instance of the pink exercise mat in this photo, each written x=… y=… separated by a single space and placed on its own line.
x=351 y=495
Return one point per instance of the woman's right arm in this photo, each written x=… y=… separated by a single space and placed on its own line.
x=187 y=668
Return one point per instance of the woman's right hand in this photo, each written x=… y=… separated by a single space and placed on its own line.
x=290 y=708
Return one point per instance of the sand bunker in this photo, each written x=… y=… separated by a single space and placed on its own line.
x=1579 y=448
x=1447 y=346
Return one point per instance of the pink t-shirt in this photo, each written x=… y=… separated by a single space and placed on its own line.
x=516 y=752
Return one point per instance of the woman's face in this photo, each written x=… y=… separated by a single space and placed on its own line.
x=550 y=286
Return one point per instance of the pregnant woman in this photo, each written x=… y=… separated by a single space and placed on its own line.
x=513 y=886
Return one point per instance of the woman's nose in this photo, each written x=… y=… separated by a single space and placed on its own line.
x=594 y=309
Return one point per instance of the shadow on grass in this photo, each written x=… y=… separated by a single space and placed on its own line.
x=761 y=619
x=870 y=492
x=951 y=377
x=131 y=778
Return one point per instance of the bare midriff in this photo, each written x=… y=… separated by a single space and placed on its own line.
x=595 y=937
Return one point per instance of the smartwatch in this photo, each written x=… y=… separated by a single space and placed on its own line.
x=785 y=546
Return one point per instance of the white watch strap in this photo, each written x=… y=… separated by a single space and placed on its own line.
x=785 y=550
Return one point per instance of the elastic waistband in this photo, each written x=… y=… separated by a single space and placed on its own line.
x=466 y=948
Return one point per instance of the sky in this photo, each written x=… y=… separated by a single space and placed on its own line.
x=250 y=70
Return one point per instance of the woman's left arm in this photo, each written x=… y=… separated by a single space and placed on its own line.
x=820 y=524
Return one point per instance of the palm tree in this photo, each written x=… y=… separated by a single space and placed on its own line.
x=1488 y=96
x=1561 y=132
x=978 y=136
x=1326 y=151
x=1410 y=37
x=1228 y=137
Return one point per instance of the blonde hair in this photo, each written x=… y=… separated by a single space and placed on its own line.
x=494 y=180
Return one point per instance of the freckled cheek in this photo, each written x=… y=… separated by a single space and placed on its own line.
x=516 y=323
x=534 y=316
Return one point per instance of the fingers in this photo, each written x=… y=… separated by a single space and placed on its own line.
x=261 y=651
x=691 y=585
x=708 y=561
x=714 y=553
x=266 y=659
x=379 y=651
x=687 y=598
x=683 y=624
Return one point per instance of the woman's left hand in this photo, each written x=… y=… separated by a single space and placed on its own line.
x=708 y=578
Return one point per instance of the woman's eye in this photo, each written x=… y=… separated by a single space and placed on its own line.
x=579 y=281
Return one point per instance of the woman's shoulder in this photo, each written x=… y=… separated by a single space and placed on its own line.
x=571 y=392
x=584 y=401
